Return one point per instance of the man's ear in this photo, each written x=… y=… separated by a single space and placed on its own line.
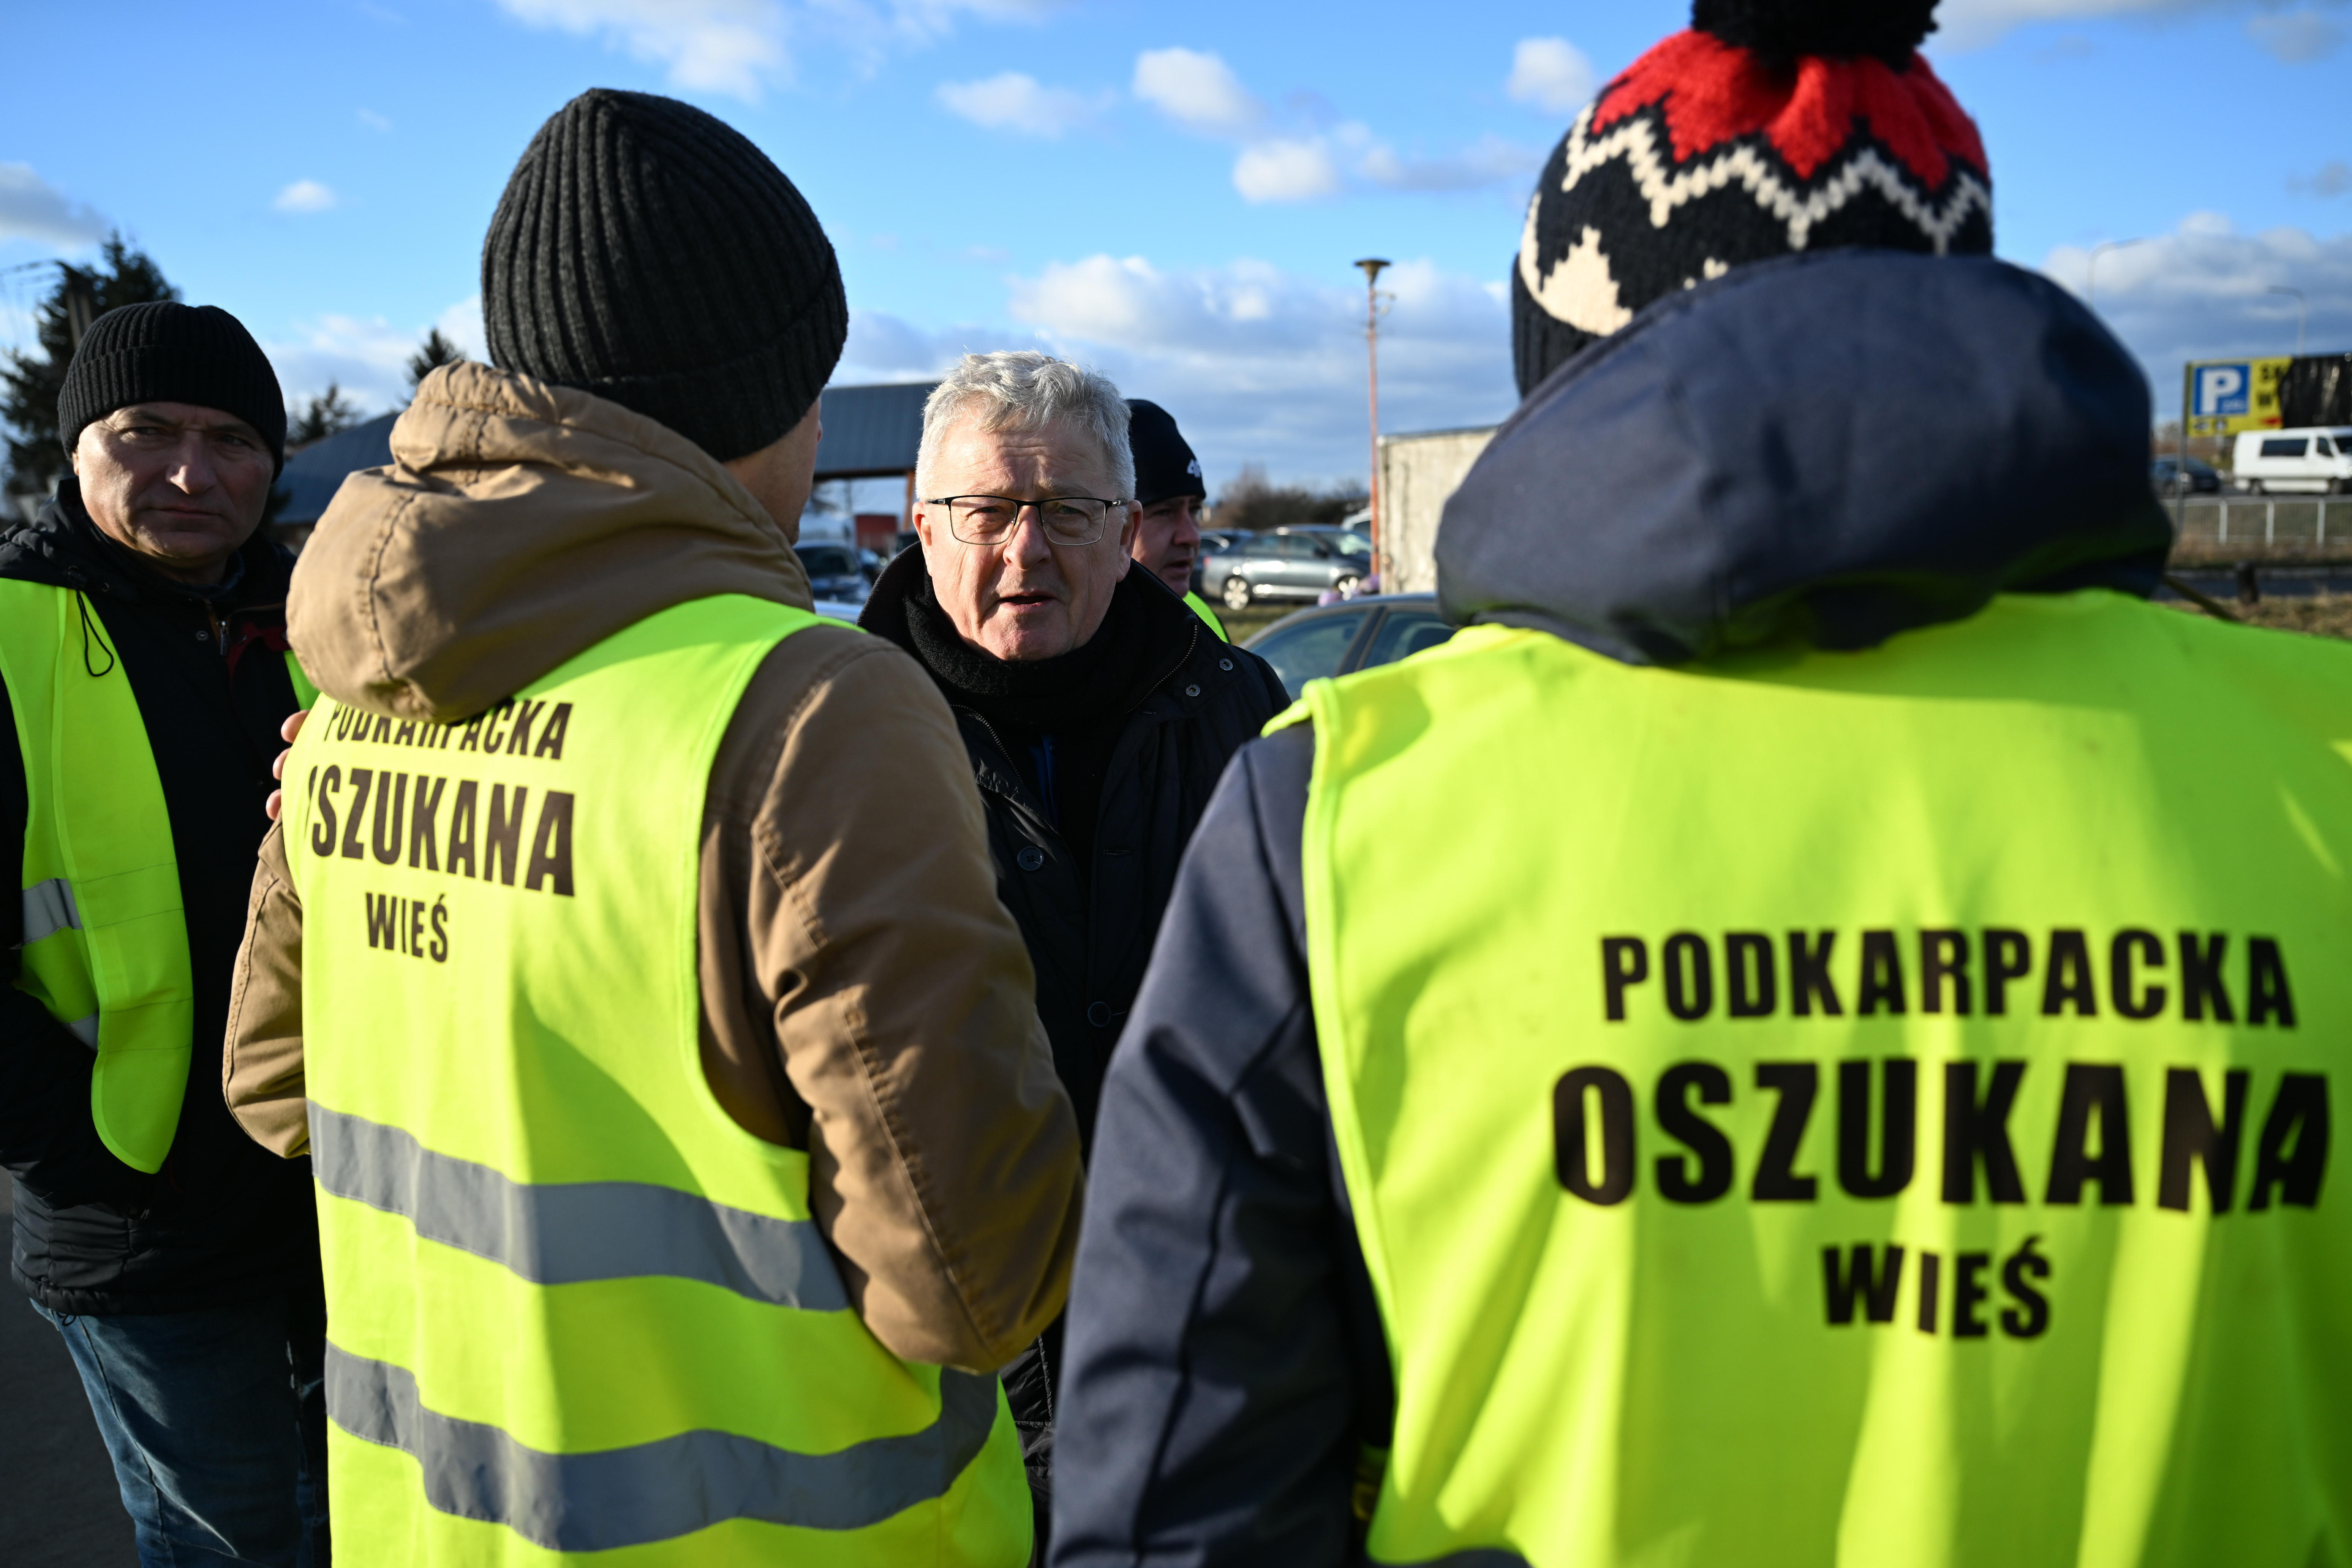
x=1131 y=527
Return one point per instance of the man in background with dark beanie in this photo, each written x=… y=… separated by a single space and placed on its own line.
x=628 y=957
x=142 y=683
x=1168 y=484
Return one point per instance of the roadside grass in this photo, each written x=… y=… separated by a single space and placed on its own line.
x=2321 y=614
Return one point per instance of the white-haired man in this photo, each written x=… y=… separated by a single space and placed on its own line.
x=1097 y=710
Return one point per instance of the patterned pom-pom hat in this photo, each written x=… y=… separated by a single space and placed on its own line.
x=1771 y=126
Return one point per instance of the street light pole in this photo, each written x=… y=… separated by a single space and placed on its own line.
x=2301 y=308
x=1373 y=267
x=2090 y=283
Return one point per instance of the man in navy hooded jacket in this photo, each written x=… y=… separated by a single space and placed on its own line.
x=1830 y=452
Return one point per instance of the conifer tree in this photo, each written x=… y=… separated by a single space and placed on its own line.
x=124 y=275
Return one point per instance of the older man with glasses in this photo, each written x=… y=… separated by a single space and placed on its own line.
x=1099 y=711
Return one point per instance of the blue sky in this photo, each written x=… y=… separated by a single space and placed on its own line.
x=1173 y=193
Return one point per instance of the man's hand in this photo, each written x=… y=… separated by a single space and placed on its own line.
x=285 y=732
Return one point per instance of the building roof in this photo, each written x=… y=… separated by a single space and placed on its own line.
x=314 y=474
x=871 y=432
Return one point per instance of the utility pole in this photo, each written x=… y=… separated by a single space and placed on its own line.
x=1373 y=266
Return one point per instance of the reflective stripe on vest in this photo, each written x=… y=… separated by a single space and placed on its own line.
x=106 y=945
x=1849 y=1108
x=661 y=1490
x=573 y=1306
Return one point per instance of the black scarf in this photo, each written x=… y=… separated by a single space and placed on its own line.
x=1101 y=679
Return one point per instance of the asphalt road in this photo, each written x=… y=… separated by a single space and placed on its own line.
x=58 y=1508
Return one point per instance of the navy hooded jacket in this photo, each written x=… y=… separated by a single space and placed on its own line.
x=1827 y=449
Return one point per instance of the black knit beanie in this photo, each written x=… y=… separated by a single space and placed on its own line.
x=1164 y=464
x=1772 y=126
x=649 y=253
x=164 y=351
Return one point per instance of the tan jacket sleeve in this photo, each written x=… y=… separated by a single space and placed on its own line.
x=849 y=914
x=261 y=1061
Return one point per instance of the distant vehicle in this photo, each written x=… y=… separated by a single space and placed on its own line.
x=1355 y=540
x=1291 y=564
x=1340 y=639
x=835 y=572
x=2310 y=461
x=1215 y=540
x=2165 y=475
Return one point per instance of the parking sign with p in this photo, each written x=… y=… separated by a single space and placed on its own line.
x=2222 y=391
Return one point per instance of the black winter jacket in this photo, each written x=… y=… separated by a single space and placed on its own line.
x=1089 y=927
x=225 y=1218
x=1826 y=450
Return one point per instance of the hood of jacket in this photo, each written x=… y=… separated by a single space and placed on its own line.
x=1827 y=449
x=519 y=525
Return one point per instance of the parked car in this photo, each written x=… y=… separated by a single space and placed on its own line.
x=1285 y=564
x=1347 y=536
x=2312 y=461
x=2165 y=475
x=835 y=572
x=1340 y=639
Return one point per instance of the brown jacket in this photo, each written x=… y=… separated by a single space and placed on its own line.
x=864 y=995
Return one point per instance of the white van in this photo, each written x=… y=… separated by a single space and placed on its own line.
x=2310 y=460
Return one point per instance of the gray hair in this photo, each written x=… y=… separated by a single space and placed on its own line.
x=1021 y=389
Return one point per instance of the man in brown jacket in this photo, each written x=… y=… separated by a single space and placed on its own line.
x=649 y=441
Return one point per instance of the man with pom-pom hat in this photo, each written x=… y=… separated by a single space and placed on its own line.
x=1805 y=1034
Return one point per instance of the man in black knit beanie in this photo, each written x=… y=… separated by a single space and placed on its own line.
x=142 y=683
x=685 y=1178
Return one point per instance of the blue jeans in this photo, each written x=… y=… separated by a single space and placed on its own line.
x=216 y=1423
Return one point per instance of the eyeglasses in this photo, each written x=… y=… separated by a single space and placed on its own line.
x=993 y=520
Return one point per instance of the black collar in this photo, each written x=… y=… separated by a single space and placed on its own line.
x=1146 y=636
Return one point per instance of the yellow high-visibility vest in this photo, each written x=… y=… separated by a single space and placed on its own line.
x=1855 y=1109
x=106 y=940
x=574 y=1308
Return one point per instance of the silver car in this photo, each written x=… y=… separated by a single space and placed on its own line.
x=1290 y=563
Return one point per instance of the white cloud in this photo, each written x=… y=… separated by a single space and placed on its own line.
x=2202 y=293
x=304 y=197
x=883 y=347
x=1973 y=24
x=1017 y=102
x=1487 y=161
x=2297 y=36
x=1258 y=363
x=1306 y=161
x=716 y=46
x=2334 y=178
x=461 y=323
x=1198 y=91
x=1285 y=170
x=32 y=208
x=1552 y=74
x=372 y=121
x=366 y=356
x=740 y=46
